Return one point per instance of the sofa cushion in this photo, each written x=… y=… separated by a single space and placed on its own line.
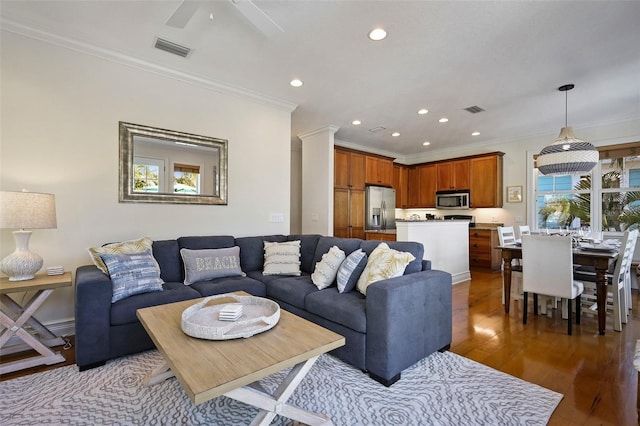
x=124 y=311
x=292 y=290
x=124 y=247
x=167 y=254
x=206 y=264
x=252 y=251
x=230 y=284
x=347 y=309
x=282 y=258
x=325 y=271
x=415 y=248
x=308 y=244
x=347 y=245
x=383 y=263
x=131 y=274
x=350 y=270
x=206 y=242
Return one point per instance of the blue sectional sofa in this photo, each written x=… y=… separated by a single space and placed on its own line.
x=400 y=321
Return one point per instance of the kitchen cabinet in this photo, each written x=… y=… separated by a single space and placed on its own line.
x=380 y=236
x=400 y=184
x=379 y=171
x=427 y=186
x=452 y=175
x=485 y=181
x=421 y=186
x=348 y=169
x=348 y=213
x=482 y=249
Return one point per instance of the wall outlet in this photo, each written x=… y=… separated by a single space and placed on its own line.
x=276 y=217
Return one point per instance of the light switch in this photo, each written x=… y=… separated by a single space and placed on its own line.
x=276 y=218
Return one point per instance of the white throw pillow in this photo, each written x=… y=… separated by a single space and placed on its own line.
x=327 y=269
x=282 y=258
x=383 y=263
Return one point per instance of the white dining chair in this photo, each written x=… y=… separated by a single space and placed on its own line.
x=549 y=272
x=507 y=236
x=618 y=282
x=524 y=230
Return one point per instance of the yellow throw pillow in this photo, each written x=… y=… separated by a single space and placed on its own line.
x=125 y=247
x=383 y=263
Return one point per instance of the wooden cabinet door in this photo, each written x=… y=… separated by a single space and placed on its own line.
x=340 y=169
x=427 y=181
x=452 y=175
x=379 y=171
x=385 y=172
x=400 y=184
x=341 y=213
x=357 y=169
x=413 y=186
x=485 y=174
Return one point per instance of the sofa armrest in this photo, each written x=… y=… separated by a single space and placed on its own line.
x=93 y=316
x=426 y=265
x=408 y=318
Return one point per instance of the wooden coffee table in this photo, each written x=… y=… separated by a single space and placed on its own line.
x=210 y=368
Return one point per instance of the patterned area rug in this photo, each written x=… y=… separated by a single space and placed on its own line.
x=442 y=389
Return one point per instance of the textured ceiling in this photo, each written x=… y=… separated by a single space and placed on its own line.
x=506 y=57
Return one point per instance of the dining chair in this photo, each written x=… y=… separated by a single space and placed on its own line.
x=507 y=236
x=549 y=272
x=524 y=230
x=619 y=282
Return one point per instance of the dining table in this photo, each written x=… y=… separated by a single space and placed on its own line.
x=600 y=260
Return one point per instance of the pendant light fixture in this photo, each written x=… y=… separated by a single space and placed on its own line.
x=568 y=154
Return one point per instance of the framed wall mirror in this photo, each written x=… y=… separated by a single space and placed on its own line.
x=167 y=166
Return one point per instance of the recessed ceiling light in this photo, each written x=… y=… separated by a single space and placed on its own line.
x=296 y=83
x=423 y=111
x=443 y=120
x=426 y=143
x=356 y=122
x=395 y=134
x=475 y=133
x=377 y=34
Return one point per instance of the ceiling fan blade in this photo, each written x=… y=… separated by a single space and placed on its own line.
x=257 y=17
x=183 y=14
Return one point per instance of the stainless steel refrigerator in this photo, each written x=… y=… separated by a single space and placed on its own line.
x=380 y=208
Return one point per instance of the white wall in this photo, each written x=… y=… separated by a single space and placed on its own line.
x=60 y=114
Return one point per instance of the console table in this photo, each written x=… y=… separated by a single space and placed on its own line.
x=13 y=318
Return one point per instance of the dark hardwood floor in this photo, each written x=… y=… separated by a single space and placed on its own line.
x=594 y=373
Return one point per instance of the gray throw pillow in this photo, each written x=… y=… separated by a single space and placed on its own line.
x=132 y=273
x=207 y=264
x=350 y=270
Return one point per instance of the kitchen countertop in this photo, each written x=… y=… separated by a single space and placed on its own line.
x=381 y=231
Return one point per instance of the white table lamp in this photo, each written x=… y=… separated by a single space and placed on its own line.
x=25 y=210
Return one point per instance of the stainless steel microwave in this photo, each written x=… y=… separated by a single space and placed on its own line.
x=453 y=200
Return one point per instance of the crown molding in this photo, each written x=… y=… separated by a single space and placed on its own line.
x=123 y=59
x=326 y=129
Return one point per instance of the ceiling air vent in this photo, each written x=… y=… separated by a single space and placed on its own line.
x=377 y=129
x=171 y=47
x=474 y=109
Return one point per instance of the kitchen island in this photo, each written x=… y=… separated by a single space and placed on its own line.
x=446 y=244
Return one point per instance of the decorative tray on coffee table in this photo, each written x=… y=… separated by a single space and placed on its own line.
x=258 y=315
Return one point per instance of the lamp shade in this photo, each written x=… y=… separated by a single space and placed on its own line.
x=567 y=155
x=27 y=210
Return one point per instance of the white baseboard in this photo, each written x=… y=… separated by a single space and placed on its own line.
x=461 y=277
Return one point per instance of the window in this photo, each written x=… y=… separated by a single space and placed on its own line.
x=147 y=174
x=186 y=178
x=611 y=203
